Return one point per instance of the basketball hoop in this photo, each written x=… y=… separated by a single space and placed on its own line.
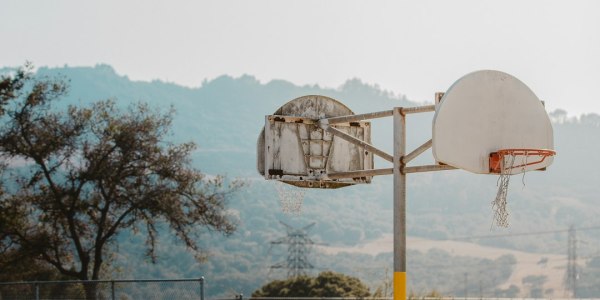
x=506 y=163
x=499 y=163
x=290 y=198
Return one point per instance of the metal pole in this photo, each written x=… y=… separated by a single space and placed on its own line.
x=112 y=289
x=466 y=285
x=399 y=206
x=37 y=291
x=202 y=288
x=480 y=286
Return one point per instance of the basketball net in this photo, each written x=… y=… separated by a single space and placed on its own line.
x=290 y=198
x=499 y=205
x=506 y=160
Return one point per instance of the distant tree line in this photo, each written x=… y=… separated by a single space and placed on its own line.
x=560 y=116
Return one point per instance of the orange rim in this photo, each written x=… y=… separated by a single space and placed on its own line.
x=497 y=157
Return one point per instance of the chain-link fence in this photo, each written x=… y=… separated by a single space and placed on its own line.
x=185 y=289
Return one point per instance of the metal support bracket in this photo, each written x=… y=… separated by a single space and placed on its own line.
x=407 y=158
x=362 y=173
x=359 y=142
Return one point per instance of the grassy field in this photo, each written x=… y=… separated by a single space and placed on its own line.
x=528 y=264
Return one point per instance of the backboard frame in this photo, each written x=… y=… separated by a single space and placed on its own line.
x=295 y=149
x=299 y=152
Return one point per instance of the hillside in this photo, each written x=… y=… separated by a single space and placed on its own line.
x=524 y=264
x=224 y=117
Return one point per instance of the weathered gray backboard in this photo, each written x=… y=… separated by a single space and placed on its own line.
x=292 y=148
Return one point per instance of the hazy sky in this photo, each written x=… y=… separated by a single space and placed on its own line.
x=415 y=48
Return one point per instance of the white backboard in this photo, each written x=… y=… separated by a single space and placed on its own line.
x=486 y=111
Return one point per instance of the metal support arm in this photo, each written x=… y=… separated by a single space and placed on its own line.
x=356 y=118
x=407 y=158
x=416 y=109
x=362 y=173
x=359 y=142
x=429 y=168
x=375 y=115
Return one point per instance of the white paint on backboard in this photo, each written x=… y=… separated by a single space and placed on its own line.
x=483 y=112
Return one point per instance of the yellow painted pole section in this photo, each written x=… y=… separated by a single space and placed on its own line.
x=399 y=285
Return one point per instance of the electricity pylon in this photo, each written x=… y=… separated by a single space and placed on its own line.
x=299 y=247
x=571 y=275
